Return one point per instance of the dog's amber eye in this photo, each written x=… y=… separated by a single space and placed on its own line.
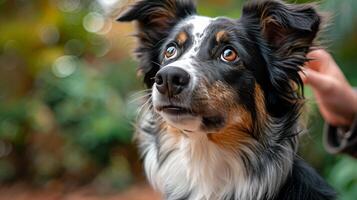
x=170 y=52
x=229 y=55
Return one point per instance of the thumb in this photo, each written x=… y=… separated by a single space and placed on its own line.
x=321 y=83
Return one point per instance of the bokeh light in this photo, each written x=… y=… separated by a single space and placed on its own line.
x=93 y=22
x=64 y=66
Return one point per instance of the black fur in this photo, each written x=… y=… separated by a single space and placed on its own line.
x=272 y=39
x=305 y=183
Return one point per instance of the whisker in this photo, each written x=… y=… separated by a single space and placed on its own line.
x=145 y=105
x=139 y=95
x=140 y=92
x=140 y=98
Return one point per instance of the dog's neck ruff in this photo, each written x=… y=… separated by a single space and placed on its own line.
x=190 y=166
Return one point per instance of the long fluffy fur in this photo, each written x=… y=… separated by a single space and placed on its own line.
x=253 y=157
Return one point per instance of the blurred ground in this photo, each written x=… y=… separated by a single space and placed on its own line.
x=23 y=192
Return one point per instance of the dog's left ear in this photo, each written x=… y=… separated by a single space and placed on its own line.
x=285 y=27
x=287 y=32
x=155 y=18
x=283 y=34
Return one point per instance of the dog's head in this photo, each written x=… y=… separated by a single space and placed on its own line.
x=213 y=74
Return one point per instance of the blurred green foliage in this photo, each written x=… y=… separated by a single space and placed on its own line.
x=66 y=93
x=64 y=109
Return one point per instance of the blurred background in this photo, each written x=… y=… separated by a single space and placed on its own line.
x=68 y=90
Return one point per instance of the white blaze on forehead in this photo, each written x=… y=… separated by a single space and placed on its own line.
x=199 y=30
x=199 y=23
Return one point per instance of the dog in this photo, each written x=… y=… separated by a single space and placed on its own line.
x=222 y=116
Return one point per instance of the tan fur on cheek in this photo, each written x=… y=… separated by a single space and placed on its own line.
x=240 y=128
x=238 y=124
x=262 y=115
x=221 y=97
x=236 y=132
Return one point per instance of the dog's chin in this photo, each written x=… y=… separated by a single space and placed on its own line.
x=181 y=118
x=189 y=121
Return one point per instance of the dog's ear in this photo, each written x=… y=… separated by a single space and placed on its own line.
x=155 y=18
x=288 y=31
x=285 y=27
x=283 y=34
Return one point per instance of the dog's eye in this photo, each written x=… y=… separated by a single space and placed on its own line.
x=229 y=55
x=170 y=52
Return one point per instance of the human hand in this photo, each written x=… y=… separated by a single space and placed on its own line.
x=336 y=99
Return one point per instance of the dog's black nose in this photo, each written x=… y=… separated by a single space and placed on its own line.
x=171 y=80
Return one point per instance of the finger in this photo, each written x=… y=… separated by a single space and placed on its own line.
x=319 y=59
x=318 y=81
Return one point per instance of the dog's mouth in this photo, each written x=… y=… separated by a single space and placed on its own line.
x=180 y=117
x=188 y=120
x=175 y=110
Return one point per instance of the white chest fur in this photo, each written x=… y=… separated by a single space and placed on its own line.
x=195 y=167
x=190 y=166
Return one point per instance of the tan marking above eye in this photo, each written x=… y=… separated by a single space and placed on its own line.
x=182 y=38
x=221 y=36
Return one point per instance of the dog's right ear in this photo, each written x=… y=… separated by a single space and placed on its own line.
x=155 y=20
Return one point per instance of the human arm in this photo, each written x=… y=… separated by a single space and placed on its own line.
x=337 y=102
